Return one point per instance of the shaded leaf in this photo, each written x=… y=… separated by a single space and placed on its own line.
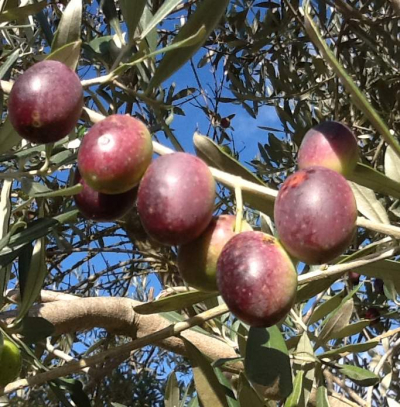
x=9 y=62
x=208 y=387
x=267 y=362
x=9 y=138
x=31 y=279
x=174 y=302
x=132 y=11
x=160 y=15
x=68 y=54
x=69 y=28
x=327 y=307
x=353 y=348
x=322 y=397
x=337 y=321
x=34 y=329
x=360 y=376
x=21 y=12
x=294 y=399
x=247 y=396
x=201 y=18
x=172 y=391
x=351 y=329
x=392 y=164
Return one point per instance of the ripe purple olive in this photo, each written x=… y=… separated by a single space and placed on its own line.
x=378 y=286
x=45 y=102
x=315 y=215
x=256 y=279
x=102 y=207
x=176 y=198
x=115 y=154
x=197 y=260
x=330 y=144
x=373 y=314
x=354 y=277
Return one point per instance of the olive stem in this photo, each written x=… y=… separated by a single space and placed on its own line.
x=239 y=207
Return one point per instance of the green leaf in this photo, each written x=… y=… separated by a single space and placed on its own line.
x=9 y=138
x=132 y=11
x=174 y=302
x=294 y=399
x=247 y=395
x=327 y=307
x=31 y=279
x=304 y=351
x=160 y=15
x=173 y=317
x=337 y=321
x=201 y=18
x=360 y=376
x=34 y=329
x=110 y=12
x=392 y=164
x=69 y=28
x=311 y=289
x=322 y=397
x=353 y=348
x=38 y=190
x=368 y=204
x=267 y=362
x=5 y=213
x=22 y=12
x=172 y=391
x=375 y=180
x=10 y=61
x=214 y=155
x=67 y=54
x=208 y=387
x=357 y=96
x=351 y=329
x=230 y=396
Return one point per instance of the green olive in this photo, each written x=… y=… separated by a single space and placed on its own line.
x=10 y=363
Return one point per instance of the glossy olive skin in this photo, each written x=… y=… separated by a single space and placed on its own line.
x=102 y=207
x=176 y=198
x=197 y=260
x=256 y=279
x=330 y=144
x=45 y=102
x=315 y=215
x=10 y=363
x=115 y=154
x=354 y=277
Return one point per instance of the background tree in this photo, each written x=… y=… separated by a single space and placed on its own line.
x=78 y=287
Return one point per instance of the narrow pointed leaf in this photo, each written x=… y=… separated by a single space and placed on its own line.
x=162 y=12
x=174 y=302
x=208 y=387
x=31 y=279
x=9 y=62
x=351 y=329
x=360 y=376
x=172 y=391
x=68 y=54
x=69 y=28
x=322 y=397
x=294 y=399
x=247 y=395
x=202 y=17
x=354 y=348
x=326 y=308
x=9 y=138
x=368 y=204
x=22 y=12
x=375 y=180
x=132 y=11
x=267 y=362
